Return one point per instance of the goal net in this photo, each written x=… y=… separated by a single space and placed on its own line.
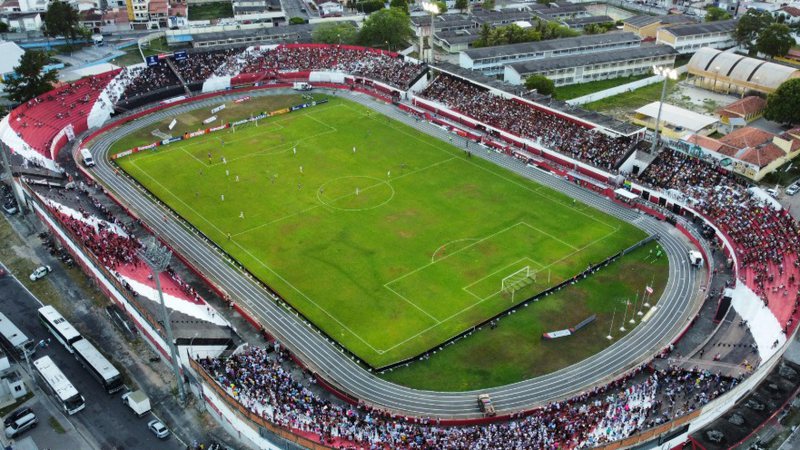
x=520 y=279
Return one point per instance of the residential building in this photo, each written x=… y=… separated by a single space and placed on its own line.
x=742 y=111
x=255 y=10
x=491 y=60
x=455 y=41
x=689 y=38
x=588 y=67
x=790 y=14
x=23 y=21
x=647 y=26
x=12 y=53
x=733 y=73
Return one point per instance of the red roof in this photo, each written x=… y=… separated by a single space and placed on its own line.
x=763 y=155
x=747 y=137
x=745 y=107
x=791 y=10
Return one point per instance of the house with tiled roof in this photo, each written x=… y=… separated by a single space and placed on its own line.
x=747 y=109
x=791 y=14
x=748 y=151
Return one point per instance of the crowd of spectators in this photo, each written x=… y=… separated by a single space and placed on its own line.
x=766 y=238
x=389 y=68
x=525 y=120
x=110 y=247
x=256 y=378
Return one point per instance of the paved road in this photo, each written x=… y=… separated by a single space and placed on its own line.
x=105 y=420
x=295 y=8
x=328 y=360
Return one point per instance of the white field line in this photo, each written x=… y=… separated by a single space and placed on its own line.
x=528 y=188
x=414 y=305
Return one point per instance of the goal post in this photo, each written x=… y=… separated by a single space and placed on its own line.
x=521 y=278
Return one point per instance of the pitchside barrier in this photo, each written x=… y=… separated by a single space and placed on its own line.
x=225 y=126
x=510 y=310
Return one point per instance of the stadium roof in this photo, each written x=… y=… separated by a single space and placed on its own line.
x=585 y=59
x=676 y=116
x=740 y=69
x=691 y=29
x=553 y=44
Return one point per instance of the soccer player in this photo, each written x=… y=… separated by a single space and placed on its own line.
x=222 y=197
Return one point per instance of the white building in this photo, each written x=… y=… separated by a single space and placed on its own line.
x=12 y=53
x=491 y=60
x=691 y=37
x=566 y=70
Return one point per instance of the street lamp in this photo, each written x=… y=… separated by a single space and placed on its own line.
x=669 y=74
x=157 y=259
x=716 y=74
x=433 y=9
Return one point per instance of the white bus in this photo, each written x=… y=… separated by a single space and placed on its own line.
x=62 y=330
x=98 y=366
x=69 y=398
x=15 y=340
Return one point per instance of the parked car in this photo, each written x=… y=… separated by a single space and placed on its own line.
x=793 y=189
x=772 y=192
x=486 y=406
x=40 y=272
x=14 y=416
x=21 y=425
x=10 y=207
x=158 y=428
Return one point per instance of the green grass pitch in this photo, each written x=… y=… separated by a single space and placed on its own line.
x=388 y=240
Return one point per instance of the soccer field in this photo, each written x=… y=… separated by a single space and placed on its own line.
x=387 y=239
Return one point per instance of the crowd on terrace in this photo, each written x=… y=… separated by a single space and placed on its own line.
x=385 y=67
x=766 y=238
x=38 y=120
x=645 y=398
x=525 y=120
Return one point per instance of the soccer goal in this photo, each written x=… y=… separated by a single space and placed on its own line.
x=520 y=279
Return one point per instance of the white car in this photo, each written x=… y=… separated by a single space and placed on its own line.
x=159 y=429
x=793 y=189
x=40 y=272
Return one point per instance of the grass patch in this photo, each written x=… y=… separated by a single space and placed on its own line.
x=632 y=100
x=56 y=425
x=7 y=410
x=210 y=11
x=781 y=176
x=580 y=89
x=515 y=350
x=390 y=249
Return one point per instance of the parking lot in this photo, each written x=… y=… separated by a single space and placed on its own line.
x=105 y=423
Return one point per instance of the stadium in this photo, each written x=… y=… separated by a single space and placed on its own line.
x=396 y=220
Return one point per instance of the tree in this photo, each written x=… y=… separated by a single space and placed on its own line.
x=775 y=40
x=402 y=4
x=29 y=80
x=442 y=7
x=462 y=5
x=61 y=19
x=782 y=104
x=749 y=27
x=387 y=27
x=544 y=2
x=714 y=13
x=487 y=4
x=335 y=33
x=540 y=84
x=369 y=6
x=3 y=27
x=297 y=21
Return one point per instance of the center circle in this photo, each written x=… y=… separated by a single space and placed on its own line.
x=355 y=193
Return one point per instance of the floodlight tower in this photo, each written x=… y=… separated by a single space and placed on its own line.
x=433 y=9
x=157 y=259
x=669 y=74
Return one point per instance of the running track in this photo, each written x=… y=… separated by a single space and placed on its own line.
x=330 y=362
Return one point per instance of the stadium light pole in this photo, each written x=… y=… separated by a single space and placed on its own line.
x=433 y=9
x=157 y=259
x=669 y=74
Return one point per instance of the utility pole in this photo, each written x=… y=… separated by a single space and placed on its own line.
x=157 y=259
